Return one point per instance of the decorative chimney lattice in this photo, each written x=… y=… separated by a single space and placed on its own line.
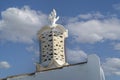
x=52 y=39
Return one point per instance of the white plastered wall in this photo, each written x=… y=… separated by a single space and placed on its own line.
x=87 y=71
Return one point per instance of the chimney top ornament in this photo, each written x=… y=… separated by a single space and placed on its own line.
x=53 y=18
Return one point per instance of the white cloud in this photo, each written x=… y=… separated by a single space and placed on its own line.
x=96 y=15
x=89 y=16
x=33 y=49
x=76 y=56
x=94 y=30
x=116 y=6
x=21 y=25
x=112 y=66
x=117 y=73
x=4 y=64
x=117 y=46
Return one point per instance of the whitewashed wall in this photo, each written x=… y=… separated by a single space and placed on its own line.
x=88 y=71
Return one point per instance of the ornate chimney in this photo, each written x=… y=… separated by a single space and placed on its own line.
x=52 y=40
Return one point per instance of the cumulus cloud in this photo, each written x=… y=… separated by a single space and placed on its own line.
x=94 y=30
x=76 y=56
x=4 y=64
x=21 y=25
x=112 y=66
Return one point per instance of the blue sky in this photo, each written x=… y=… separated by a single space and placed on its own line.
x=94 y=28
